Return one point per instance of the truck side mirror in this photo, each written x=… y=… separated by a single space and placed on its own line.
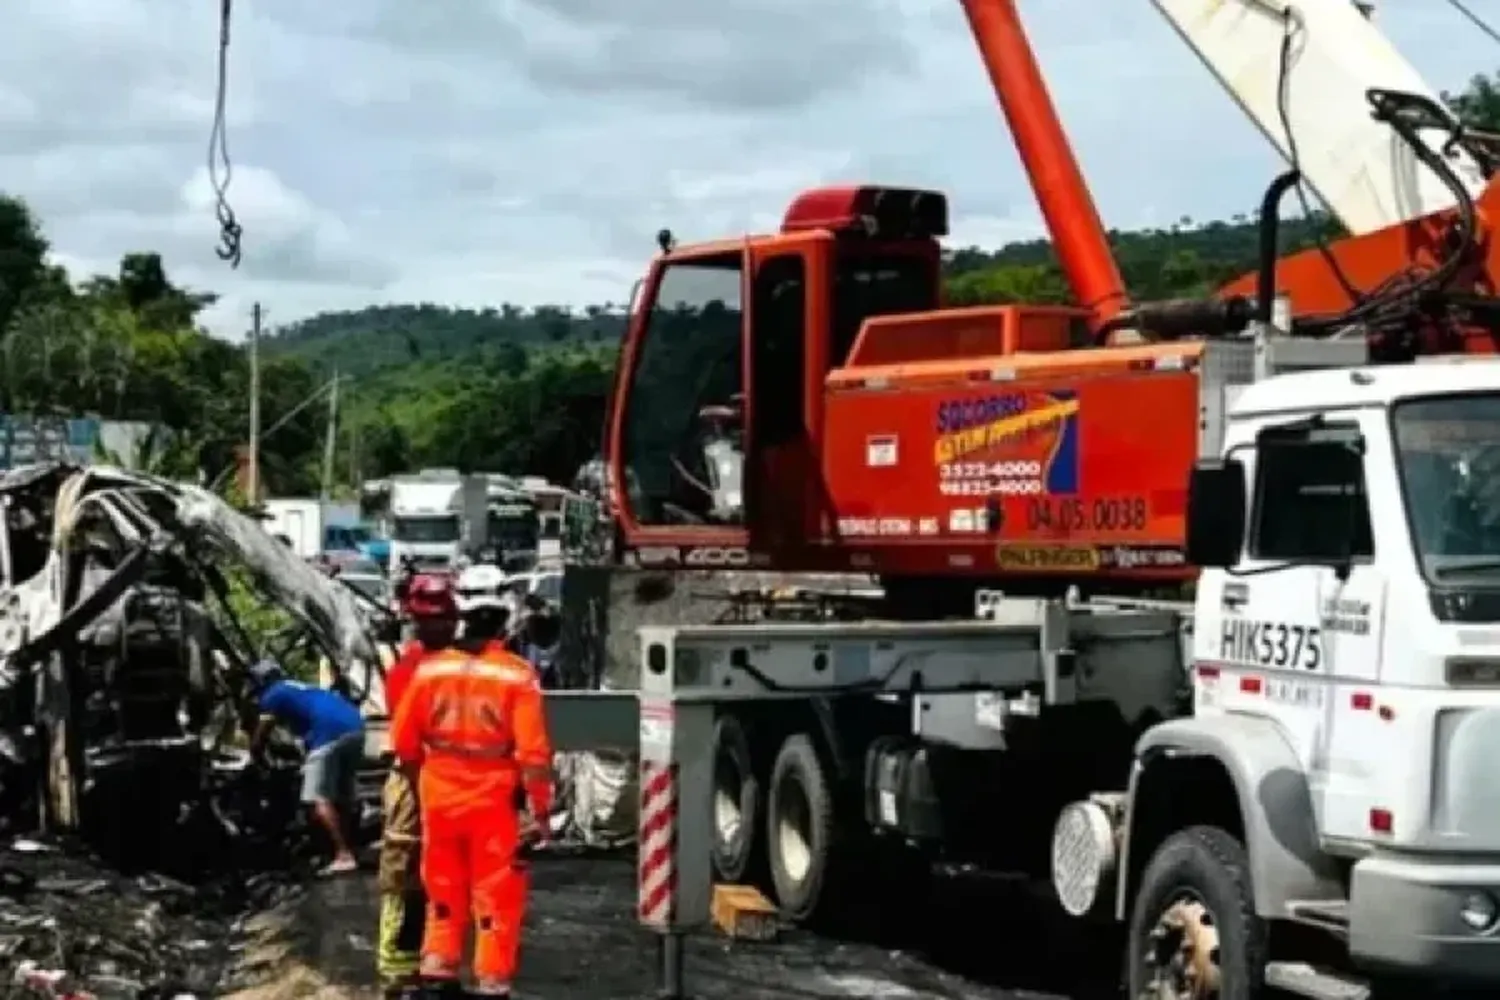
x=1216 y=513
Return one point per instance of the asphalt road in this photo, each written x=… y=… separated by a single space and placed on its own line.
x=979 y=942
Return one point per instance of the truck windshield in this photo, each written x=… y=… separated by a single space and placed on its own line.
x=513 y=531
x=1448 y=453
x=427 y=528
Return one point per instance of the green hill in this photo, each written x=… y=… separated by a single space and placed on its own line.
x=381 y=337
x=1186 y=259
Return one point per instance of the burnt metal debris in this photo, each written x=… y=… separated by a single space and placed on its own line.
x=123 y=681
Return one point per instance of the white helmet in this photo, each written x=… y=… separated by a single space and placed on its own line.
x=481 y=586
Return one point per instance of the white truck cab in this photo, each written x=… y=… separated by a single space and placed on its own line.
x=1339 y=769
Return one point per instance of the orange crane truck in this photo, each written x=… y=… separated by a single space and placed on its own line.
x=1197 y=775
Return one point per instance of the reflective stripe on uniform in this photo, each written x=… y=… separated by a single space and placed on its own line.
x=478 y=751
x=451 y=666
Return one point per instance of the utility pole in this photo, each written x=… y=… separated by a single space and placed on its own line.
x=355 y=479
x=253 y=476
x=331 y=441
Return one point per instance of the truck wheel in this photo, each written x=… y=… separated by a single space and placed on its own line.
x=799 y=828
x=1194 y=933
x=736 y=801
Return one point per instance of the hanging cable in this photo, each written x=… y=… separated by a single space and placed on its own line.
x=1291 y=32
x=1475 y=19
x=220 y=168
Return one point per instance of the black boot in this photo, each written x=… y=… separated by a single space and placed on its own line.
x=441 y=989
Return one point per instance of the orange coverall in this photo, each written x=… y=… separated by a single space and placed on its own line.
x=473 y=722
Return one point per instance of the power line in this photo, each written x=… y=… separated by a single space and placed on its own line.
x=1474 y=19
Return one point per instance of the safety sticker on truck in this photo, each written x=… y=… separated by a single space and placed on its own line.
x=882 y=452
x=1271 y=644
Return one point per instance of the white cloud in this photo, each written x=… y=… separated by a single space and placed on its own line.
x=529 y=150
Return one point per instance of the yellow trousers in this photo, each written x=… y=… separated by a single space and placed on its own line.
x=402 y=902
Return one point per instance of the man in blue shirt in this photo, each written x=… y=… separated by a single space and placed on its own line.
x=333 y=733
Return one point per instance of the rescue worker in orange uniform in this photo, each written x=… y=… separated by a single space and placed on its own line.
x=433 y=610
x=472 y=725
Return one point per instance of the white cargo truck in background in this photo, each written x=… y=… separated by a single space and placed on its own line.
x=305 y=523
x=437 y=515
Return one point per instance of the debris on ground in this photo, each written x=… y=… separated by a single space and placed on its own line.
x=582 y=941
x=70 y=927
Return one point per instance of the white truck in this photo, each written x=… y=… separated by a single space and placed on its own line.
x=436 y=516
x=1284 y=784
x=307 y=523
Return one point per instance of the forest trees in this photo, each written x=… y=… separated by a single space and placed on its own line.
x=528 y=396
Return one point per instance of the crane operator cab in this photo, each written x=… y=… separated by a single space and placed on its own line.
x=718 y=400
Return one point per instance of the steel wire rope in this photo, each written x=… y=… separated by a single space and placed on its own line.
x=220 y=167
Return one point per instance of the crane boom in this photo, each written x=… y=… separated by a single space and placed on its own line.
x=1083 y=248
x=1356 y=166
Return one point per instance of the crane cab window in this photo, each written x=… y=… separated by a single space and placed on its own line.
x=779 y=350
x=1310 y=499
x=681 y=447
x=877 y=284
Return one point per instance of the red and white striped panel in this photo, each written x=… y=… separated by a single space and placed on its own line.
x=657 y=874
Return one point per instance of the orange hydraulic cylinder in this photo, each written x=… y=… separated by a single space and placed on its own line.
x=1068 y=208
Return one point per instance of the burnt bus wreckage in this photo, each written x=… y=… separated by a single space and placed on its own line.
x=122 y=656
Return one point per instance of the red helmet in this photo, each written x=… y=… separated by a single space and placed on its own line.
x=431 y=596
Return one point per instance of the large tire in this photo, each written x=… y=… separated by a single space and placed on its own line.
x=737 y=803
x=1197 y=888
x=799 y=828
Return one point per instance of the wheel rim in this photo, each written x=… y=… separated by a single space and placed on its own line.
x=729 y=786
x=794 y=831
x=1182 y=954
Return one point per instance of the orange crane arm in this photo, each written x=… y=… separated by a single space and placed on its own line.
x=1078 y=234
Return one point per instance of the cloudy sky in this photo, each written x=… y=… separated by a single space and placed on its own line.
x=479 y=151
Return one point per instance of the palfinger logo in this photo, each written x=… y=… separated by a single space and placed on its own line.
x=1046 y=558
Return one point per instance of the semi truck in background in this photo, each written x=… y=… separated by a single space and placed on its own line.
x=566 y=517
x=312 y=526
x=514 y=528
x=437 y=515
